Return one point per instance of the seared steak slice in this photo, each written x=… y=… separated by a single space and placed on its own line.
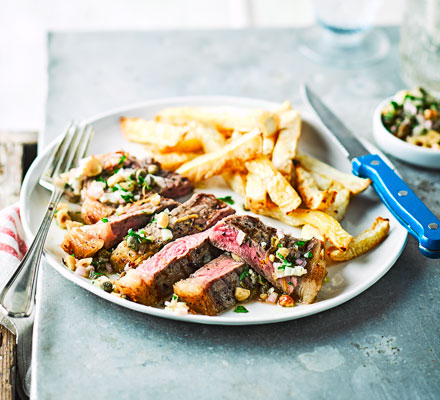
x=200 y=212
x=121 y=178
x=210 y=290
x=87 y=240
x=259 y=246
x=153 y=280
x=93 y=211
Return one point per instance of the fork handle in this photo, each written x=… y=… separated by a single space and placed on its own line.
x=18 y=296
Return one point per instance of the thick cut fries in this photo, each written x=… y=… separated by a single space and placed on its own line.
x=224 y=119
x=351 y=182
x=285 y=148
x=171 y=161
x=309 y=232
x=339 y=206
x=210 y=138
x=166 y=137
x=279 y=189
x=230 y=157
x=362 y=243
x=328 y=226
x=256 y=194
x=313 y=198
x=236 y=181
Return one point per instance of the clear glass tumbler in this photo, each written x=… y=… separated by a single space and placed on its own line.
x=420 y=44
x=343 y=34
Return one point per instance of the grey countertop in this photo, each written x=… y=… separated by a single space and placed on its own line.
x=383 y=344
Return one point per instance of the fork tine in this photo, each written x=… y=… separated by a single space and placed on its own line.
x=68 y=152
x=84 y=142
x=55 y=156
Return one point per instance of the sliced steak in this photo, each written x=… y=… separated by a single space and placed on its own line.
x=122 y=179
x=210 y=290
x=153 y=280
x=258 y=245
x=200 y=212
x=87 y=240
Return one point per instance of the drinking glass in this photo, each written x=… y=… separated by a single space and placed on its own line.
x=343 y=34
x=420 y=44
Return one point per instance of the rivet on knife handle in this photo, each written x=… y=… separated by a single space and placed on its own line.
x=409 y=210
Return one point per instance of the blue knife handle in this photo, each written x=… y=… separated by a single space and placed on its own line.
x=408 y=209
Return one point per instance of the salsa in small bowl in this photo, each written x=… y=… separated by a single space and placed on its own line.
x=407 y=126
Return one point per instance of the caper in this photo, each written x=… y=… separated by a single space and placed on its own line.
x=153 y=169
x=132 y=243
x=149 y=180
x=140 y=172
x=107 y=286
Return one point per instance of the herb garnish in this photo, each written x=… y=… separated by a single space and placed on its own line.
x=101 y=179
x=227 y=199
x=309 y=254
x=104 y=220
x=175 y=297
x=97 y=274
x=139 y=235
x=121 y=161
x=291 y=284
x=300 y=243
x=284 y=260
x=240 y=309
x=129 y=197
x=244 y=274
x=142 y=181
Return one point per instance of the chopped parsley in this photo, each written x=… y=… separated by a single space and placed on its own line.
x=142 y=182
x=128 y=197
x=101 y=179
x=104 y=220
x=240 y=309
x=175 y=297
x=300 y=243
x=139 y=235
x=121 y=161
x=153 y=220
x=227 y=199
x=309 y=254
x=285 y=263
x=244 y=274
x=97 y=274
x=291 y=284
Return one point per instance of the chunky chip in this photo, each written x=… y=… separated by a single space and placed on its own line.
x=328 y=226
x=285 y=148
x=256 y=193
x=362 y=243
x=231 y=157
x=171 y=161
x=313 y=197
x=236 y=181
x=279 y=189
x=223 y=118
x=351 y=182
x=166 y=137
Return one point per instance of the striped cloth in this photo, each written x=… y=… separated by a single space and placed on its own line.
x=12 y=249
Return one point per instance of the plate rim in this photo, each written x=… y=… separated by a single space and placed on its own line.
x=300 y=311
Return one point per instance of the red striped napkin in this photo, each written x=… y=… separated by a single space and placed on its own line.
x=12 y=250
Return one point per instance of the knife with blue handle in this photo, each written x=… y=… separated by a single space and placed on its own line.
x=408 y=209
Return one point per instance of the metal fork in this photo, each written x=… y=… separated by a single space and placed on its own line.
x=18 y=296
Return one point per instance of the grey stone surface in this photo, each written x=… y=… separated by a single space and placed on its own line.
x=383 y=344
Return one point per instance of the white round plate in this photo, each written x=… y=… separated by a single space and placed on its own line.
x=347 y=279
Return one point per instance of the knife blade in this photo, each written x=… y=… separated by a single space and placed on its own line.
x=403 y=203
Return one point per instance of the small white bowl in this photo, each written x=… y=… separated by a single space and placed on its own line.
x=398 y=148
